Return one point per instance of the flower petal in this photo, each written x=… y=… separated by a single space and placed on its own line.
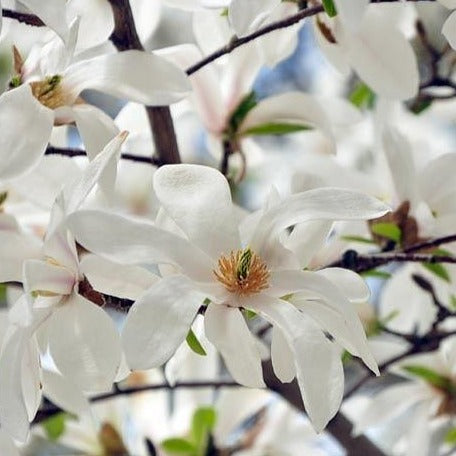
x=132 y=75
x=351 y=12
x=84 y=344
x=226 y=328
x=198 y=199
x=282 y=357
x=130 y=242
x=159 y=322
x=41 y=276
x=245 y=15
x=21 y=112
x=7 y=445
x=449 y=30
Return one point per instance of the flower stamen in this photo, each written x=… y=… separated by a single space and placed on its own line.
x=242 y=272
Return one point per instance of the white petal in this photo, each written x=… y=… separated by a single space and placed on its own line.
x=198 y=199
x=7 y=445
x=351 y=12
x=84 y=344
x=318 y=366
x=114 y=279
x=41 y=276
x=282 y=357
x=159 y=322
x=323 y=204
x=449 y=30
x=383 y=58
x=21 y=112
x=450 y=4
x=130 y=242
x=227 y=330
x=290 y=107
x=352 y=285
x=244 y=15
x=31 y=378
x=131 y=75
x=52 y=12
x=64 y=393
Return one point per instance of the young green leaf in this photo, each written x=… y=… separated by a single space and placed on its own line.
x=195 y=344
x=350 y=238
x=275 y=129
x=439 y=270
x=330 y=8
x=376 y=274
x=54 y=426
x=430 y=376
x=178 y=445
x=388 y=231
x=450 y=437
x=239 y=114
x=203 y=423
x=362 y=96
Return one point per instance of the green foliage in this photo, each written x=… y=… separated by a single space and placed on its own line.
x=362 y=96
x=420 y=105
x=388 y=231
x=240 y=113
x=375 y=273
x=195 y=344
x=430 y=376
x=177 y=445
x=450 y=437
x=329 y=7
x=275 y=129
x=55 y=426
x=439 y=270
x=352 y=238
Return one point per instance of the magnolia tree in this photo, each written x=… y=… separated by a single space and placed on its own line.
x=193 y=266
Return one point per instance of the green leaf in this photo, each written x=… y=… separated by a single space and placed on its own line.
x=329 y=7
x=439 y=270
x=453 y=301
x=249 y=314
x=362 y=96
x=202 y=424
x=388 y=231
x=430 y=376
x=275 y=129
x=178 y=445
x=346 y=357
x=376 y=273
x=421 y=105
x=350 y=238
x=195 y=344
x=450 y=437
x=239 y=114
x=54 y=426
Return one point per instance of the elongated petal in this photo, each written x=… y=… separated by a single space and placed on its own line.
x=31 y=377
x=84 y=344
x=383 y=58
x=198 y=199
x=41 y=276
x=323 y=204
x=130 y=242
x=64 y=393
x=159 y=322
x=53 y=14
x=20 y=112
x=246 y=14
x=318 y=367
x=131 y=75
x=226 y=328
x=352 y=285
x=351 y=12
x=114 y=279
x=282 y=357
x=291 y=107
x=7 y=445
x=449 y=30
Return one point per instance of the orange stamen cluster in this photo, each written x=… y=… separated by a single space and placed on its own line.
x=242 y=272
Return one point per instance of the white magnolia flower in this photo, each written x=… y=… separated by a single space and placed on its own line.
x=364 y=39
x=449 y=27
x=211 y=261
x=427 y=397
x=47 y=92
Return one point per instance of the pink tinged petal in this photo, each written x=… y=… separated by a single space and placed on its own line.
x=226 y=328
x=84 y=344
x=127 y=241
x=40 y=276
x=282 y=357
x=337 y=316
x=246 y=15
x=64 y=393
x=291 y=107
x=401 y=164
x=7 y=446
x=449 y=29
x=15 y=248
x=131 y=75
x=13 y=411
x=21 y=112
x=52 y=13
x=205 y=83
x=317 y=361
x=382 y=57
x=318 y=204
x=114 y=279
x=351 y=12
x=198 y=199
x=159 y=322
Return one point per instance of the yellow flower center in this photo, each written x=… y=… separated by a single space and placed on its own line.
x=49 y=92
x=242 y=272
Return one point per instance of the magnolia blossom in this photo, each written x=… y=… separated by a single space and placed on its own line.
x=46 y=90
x=212 y=259
x=449 y=27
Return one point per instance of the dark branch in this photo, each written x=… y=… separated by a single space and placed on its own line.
x=25 y=18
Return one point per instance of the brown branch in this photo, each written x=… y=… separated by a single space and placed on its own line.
x=74 y=152
x=25 y=18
